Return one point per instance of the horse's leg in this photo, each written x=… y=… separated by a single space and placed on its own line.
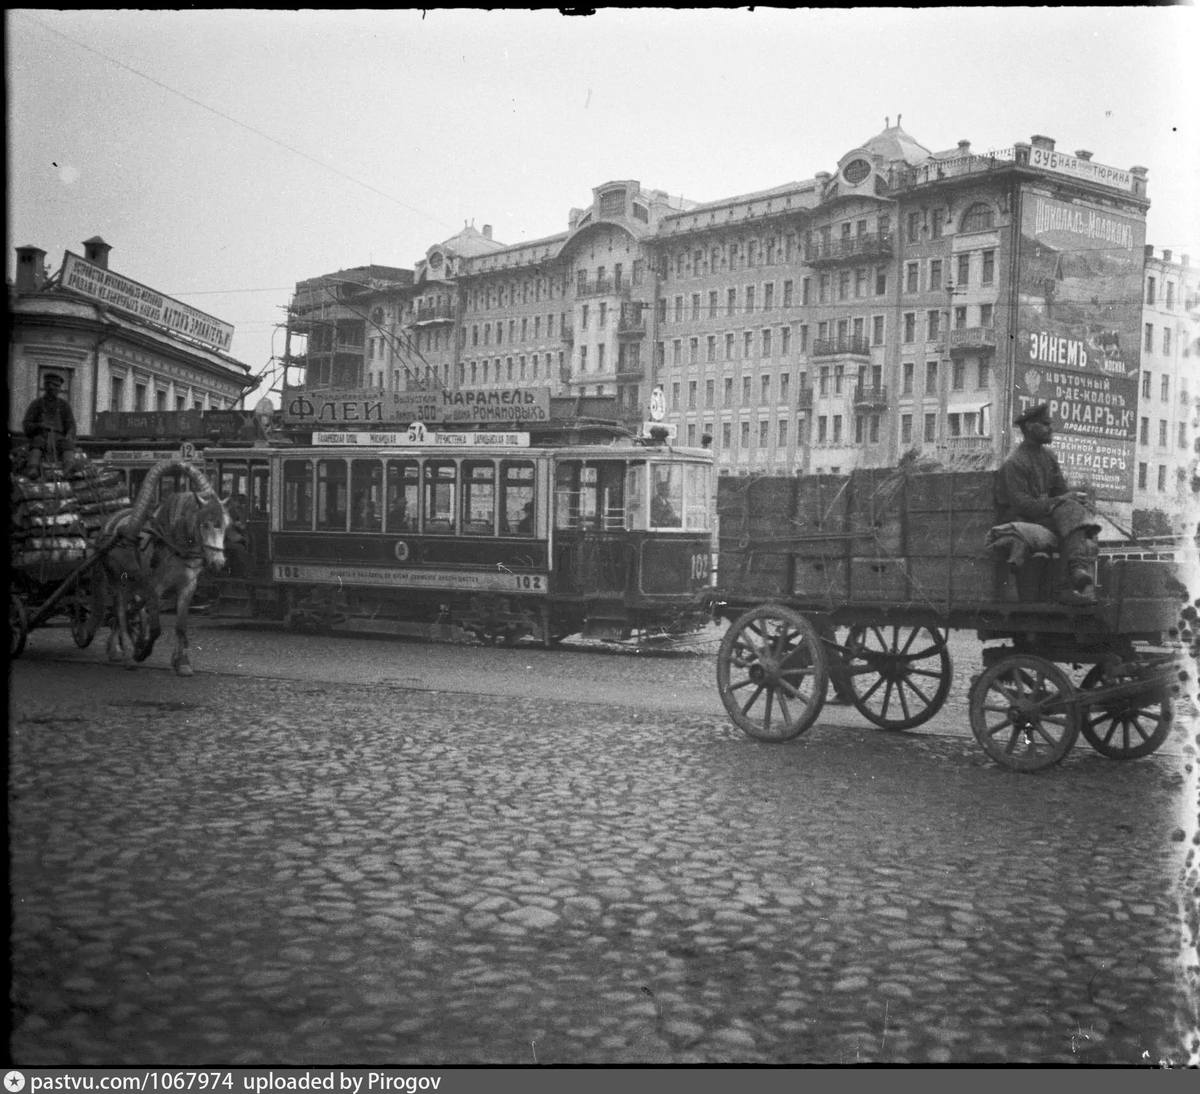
x=183 y=601
x=112 y=599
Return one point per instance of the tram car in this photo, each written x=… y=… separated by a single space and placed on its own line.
x=576 y=527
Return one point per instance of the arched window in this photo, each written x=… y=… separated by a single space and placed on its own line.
x=979 y=218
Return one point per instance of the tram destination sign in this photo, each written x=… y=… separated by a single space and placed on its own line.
x=338 y=408
x=422 y=437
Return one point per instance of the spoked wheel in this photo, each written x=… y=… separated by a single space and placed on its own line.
x=86 y=611
x=18 y=626
x=139 y=630
x=1022 y=712
x=897 y=677
x=1126 y=728
x=771 y=673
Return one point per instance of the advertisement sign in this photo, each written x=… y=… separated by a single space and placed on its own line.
x=1079 y=335
x=1080 y=169
x=121 y=293
x=470 y=580
x=332 y=407
x=240 y=425
x=433 y=440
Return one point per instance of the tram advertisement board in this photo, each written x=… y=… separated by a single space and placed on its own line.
x=1078 y=346
x=357 y=406
x=470 y=580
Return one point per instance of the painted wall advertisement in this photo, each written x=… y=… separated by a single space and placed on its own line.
x=1078 y=336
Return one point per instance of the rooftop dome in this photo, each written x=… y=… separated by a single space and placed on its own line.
x=894 y=145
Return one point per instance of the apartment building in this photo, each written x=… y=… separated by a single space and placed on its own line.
x=1169 y=388
x=909 y=301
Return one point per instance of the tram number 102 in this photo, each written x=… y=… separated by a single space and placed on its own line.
x=701 y=566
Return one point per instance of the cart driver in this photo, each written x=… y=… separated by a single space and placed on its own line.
x=1031 y=487
x=50 y=426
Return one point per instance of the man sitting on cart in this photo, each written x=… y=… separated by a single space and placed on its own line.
x=50 y=426
x=1031 y=487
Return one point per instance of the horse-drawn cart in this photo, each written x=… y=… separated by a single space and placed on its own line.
x=858 y=580
x=57 y=550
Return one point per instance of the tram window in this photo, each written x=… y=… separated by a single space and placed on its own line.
x=137 y=476
x=635 y=497
x=366 y=490
x=479 y=498
x=566 y=494
x=331 y=495
x=589 y=495
x=441 y=477
x=260 y=491
x=297 y=493
x=516 y=484
x=170 y=484
x=233 y=479
x=610 y=494
x=666 y=496
x=697 y=485
x=402 y=492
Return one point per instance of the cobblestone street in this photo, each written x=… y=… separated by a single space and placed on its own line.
x=231 y=870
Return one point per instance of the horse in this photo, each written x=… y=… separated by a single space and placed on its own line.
x=186 y=533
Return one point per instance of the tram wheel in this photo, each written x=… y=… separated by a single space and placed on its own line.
x=1126 y=728
x=1023 y=713
x=897 y=680
x=771 y=673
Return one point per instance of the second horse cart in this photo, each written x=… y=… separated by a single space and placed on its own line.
x=857 y=580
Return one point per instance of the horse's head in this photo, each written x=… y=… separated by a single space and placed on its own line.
x=213 y=524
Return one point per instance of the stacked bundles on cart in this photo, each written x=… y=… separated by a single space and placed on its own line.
x=54 y=516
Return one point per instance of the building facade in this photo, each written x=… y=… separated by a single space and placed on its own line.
x=909 y=301
x=92 y=327
x=1168 y=392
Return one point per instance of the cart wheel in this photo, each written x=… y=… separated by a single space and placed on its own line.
x=1022 y=712
x=771 y=673
x=900 y=680
x=140 y=632
x=86 y=611
x=18 y=626
x=1128 y=728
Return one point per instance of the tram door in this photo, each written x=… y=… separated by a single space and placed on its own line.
x=592 y=555
x=246 y=483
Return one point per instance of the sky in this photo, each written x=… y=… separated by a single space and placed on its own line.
x=226 y=155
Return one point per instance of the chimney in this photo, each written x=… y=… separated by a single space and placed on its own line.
x=964 y=147
x=1149 y=250
x=1166 y=255
x=31 y=270
x=822 y=177
x=487 y=231
x=1083 y=154
x=96 y=250
x=1039 y=141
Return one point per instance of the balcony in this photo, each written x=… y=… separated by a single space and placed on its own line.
x=835 y=251
x=434 y=313
x=973 y=340
x=841 y=347
x=632 y=324
x=870 y=397
x=601 y=287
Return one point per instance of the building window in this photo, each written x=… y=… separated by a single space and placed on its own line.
x=116 y=393
x=1149 y=338
x=766 y=342
x=1166 y=341
x=844 y=285
x=939 y=216
x=906 y=429
x=712 y=304
x=823 y=289
x=877 y=330
x=933 y=325
x=160 y=400
x=874 y=428
x=837 y=429
x=984 y=375
x=806 y=291
x=979 y=218
x=783 y=433
x=679 y=309
x=745 y=391
x=960 y=318
x=1162 y=433
x=693 y=350
x=783 y=387
x=785 y=341
x=989 y=268
x=787 y=294
x=729 y=347
x=1170 y=296
x=180 y=402
x=1183 y=434
x=677 y=351
x=910 y=326
x=691 y=434
x=912 y=277
x=692 y=390
x=602 y=321
x=708 y=393
x=1165 y=389
x=1162 y=476
x=731 y=302
x=914 y=227
x=964 y=271
x=695 y=305
x=803 y=337
x=1151 y=291
x=935 y=274
x=858 y=428
x=725 y=435
x=839 y=374
x=763 y=439
x=675 y=395
x=930 y=428
x=747 y=344
x=1144 y=432
x=985 y=315
x=908 y=369
x=765 y=394
x=745 y=434
x=711 y=348
x=749 y=299
x=599 y=361
x=1143 y=470
x=823 y=381
x=768 y=296
x=1145 y=385
x=931 y=377
x=880 y=280
x=728 y=391
x=958 y=375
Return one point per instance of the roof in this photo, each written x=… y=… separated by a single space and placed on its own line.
x=894 y=145
x=471 y=242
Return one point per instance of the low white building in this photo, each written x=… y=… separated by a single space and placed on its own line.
x=118 y=345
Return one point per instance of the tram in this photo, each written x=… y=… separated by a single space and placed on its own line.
x=574 y=527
